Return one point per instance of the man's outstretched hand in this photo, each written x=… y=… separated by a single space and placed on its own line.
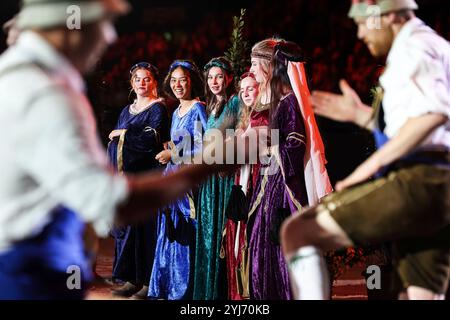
x=345 y=107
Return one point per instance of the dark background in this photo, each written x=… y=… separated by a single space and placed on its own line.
x=161 y=31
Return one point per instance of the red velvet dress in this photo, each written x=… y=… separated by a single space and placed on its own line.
x=235 y=231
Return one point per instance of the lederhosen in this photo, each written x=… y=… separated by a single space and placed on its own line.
x=408 y=205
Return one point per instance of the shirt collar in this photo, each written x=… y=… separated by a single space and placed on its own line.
x=403 y=36
x=42 y=52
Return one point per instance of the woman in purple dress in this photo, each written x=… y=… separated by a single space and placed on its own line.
x=281 y=188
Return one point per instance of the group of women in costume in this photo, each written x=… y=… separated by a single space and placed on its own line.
x=193 y=249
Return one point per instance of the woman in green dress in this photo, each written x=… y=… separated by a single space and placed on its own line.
x=222 y=105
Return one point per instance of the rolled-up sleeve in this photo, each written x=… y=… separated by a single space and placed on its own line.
x=416 y=81
x=429 y=86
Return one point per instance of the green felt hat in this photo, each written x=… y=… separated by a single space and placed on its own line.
x=43 y=14
x=364 y=8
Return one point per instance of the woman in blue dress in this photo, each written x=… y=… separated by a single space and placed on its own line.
x=222 y=105
x=138 y=137
x=172 y=273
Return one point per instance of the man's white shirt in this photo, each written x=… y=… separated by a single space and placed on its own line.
x=50 y=151
x=416 y=81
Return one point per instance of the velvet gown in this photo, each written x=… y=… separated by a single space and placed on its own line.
x=135 y=151
x=173 y=268
x=279 y=192
x=234 y=239
x=210 y=270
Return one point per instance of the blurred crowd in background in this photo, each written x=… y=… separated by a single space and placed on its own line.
x=161 y=31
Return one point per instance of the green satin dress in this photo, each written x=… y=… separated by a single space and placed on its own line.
x=210 y=271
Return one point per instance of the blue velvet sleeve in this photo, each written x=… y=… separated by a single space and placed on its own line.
x=199 y=124
x=164 y=124
x=147 y=135
x=143 y=139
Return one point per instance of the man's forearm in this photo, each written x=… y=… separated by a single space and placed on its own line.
x=151 y=191
x=412 y=134
x=363 y=117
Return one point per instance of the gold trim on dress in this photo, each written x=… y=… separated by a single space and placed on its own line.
x=296 y=136
x=173 y=151
x=150 y=129
x=259 y=197
x=191 y=206
x=275 y=151
x=120 y=151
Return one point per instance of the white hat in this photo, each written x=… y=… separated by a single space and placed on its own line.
x=52 y=13
x=360 y=8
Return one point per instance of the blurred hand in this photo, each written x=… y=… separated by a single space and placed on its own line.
x=164 y=156
x=337 y=107
x=115 y=133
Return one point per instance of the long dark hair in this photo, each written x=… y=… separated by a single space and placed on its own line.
x=211 y=99
x=284 y=52
x=194 y=75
